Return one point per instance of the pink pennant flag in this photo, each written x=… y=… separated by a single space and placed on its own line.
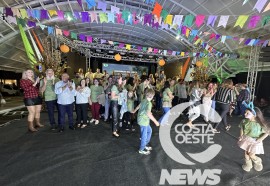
x=253 y=21
x=119 y=18
x=259 y=5
x=135 y=19
x=267 y=8
x=199 y=20
x=66 y=33
x=93 y=17
x=89 y=39
x=155 y=50
x=213 y=35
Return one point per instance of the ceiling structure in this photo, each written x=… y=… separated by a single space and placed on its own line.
x=13 y=56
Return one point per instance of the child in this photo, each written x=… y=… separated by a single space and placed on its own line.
x=128 y=116
x=252 y=134
x=143 y=118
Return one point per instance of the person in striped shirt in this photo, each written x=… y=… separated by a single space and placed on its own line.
x=224 y=97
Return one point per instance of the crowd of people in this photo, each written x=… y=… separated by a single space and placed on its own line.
x=118 y=98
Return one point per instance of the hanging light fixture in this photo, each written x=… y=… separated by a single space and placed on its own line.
x=117 y=57
x=64 y=48
x=161 y=62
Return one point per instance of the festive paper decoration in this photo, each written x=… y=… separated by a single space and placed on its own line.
x=259 y=5
x=253 y=21
x=199 y=63
x=85 y=17
x=211 y=20
x=102 y=5
x=118 y=57
x=267 y=8
x=223 y=21
x=103 y=17
x=29 y=51
x=161 y=62
x=241 y=21
x=64 y=48
x=157 y=9
x=189 y=20
x=199 y=20
x=90 y=3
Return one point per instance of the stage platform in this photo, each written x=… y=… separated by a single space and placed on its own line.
x=91 y=156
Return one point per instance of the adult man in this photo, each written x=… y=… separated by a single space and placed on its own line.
x=162 y=76
x=89 y=74
x=77 y=79
x=47 y=89
x=98 y=74
x=65 y=91
x=181 y=91
x=244 y=95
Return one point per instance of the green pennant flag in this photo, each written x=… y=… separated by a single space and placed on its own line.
x=265 y=20
x=73 y=35
x=164 y=14
x=21 y=21
x=189 y=20
x=28 y=48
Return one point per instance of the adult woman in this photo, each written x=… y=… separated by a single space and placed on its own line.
x=32 y=100
x=207 y=100
x=195 y=98
x=158 y=88
x=224 y=97
x=82 y=95
x=116 y=89
x=96 y=92
x=107 y=89
x=167 y=98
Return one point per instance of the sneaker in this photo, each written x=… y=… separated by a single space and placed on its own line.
x=148 y=148
x=97 y=122
x=144 y=152
x=92 y=120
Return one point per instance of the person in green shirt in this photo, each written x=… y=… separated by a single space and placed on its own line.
x=143 y=119
x=77 y=79
x=167 y=97
x=116 y=89
x=47 y=90
x=253 y=131
x=96 y=91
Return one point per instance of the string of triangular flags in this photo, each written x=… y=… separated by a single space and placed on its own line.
x=260 y=4
x=125 y=18
x=149 y=50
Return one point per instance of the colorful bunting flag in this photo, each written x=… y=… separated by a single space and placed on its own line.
x=211 y=20
x=259 y=5
x=241 y=21
x=85 y=17
x=267 y=8
x=223 y=21
x=60 y=14
x=111 y=17
x=73 y=35
x=103 y=17
x=23 y=13
x=52 y=12
x=102 y=5
x=90 y=3
x=58 y=31
x=199 y=20
x=93 y=17
x=253 y=21
x=80 y=3
x=157 y=9
x=169 y=19
x=115 y=10
x=66 y=33
x=189 y=20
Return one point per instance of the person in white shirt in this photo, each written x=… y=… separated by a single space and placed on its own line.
x=181 y=91
x=82 y=95
x=65 y=91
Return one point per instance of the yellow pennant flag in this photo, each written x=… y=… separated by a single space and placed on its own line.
x=103 y=17
x=168 y=20
x=242 y=19
x=197 y=42
x=182 y=54
x=52 y=12
x=187 y=32
x=23 y=13
x=128 y=47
